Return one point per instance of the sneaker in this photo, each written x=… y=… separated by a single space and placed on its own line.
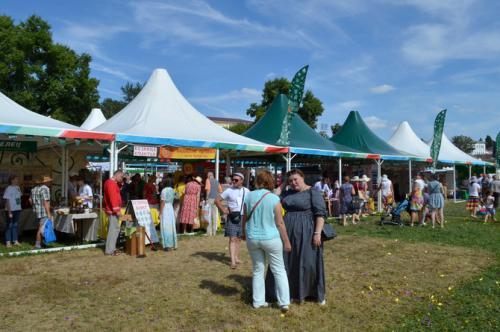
x=284 y=309
x=265 y=305
x=322 y=303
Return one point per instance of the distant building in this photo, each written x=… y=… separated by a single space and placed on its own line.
x=479 y=148
x=228 y=122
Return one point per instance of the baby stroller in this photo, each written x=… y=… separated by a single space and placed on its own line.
x=395 y=214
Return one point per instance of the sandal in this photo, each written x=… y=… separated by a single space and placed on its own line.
x=233 y=266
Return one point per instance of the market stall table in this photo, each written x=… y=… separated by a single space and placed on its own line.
x=86 y=225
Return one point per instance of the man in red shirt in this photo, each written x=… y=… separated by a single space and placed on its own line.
x=112 y=207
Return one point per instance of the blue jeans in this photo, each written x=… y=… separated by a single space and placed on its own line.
x=272 y=250
x=12 y=226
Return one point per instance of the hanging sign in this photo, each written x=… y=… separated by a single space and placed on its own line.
x=186 y=153
x=18 y=146
x=145 y=151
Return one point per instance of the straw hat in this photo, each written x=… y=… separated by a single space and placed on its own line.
x=44 y=179
x=355 y=179
x=364 y=178
x=198 y=179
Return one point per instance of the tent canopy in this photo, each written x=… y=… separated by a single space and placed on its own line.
x=17 y=120
x=404 y=139
x=160 y=115
x=356 y=135
x=274 y=127
x=450 y=154
x=95 y=119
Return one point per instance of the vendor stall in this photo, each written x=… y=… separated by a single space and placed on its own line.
x=84 y=225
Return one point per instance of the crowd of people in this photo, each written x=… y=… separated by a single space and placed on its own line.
x=484 y=193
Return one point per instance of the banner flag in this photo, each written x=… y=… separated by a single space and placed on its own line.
x=438 y=135
x=498 y=150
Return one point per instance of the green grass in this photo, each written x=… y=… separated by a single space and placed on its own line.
x=471 y=305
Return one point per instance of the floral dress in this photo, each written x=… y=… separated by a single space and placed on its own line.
x=189 y=210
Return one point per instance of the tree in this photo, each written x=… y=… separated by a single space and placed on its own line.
x=111 y=106
x=464 y=143
x=311 y=108
x=335 y=128
x=239 y=128
x=490 y=143
x=43 y=76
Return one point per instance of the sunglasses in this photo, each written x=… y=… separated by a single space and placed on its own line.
x=236 y=180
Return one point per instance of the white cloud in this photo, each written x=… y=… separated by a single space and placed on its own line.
x=349 y=105
x=384 y=88
x=195 y=22
x=112 y=71
x=375 y=122
x=242 y=94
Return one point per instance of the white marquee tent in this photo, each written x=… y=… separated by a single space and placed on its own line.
x=450 y=154
x=95 y=119
x=405 y=139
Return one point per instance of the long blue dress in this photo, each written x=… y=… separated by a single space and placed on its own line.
x=167 y=219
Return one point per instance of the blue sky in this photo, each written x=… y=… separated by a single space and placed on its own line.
x=392 y=60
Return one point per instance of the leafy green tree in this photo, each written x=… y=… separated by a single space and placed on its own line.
x=310 y=110
x=335 y=128
x=111 y=106
x=464 y=143
x=239 y=128
x=490 y=143
x=43 y=76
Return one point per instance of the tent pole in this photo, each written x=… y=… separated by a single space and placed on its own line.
x=288 y=161
x=454 y=184
x=409 y=176
x=217 y=164
x=111 y=150
x=484 y=169
x=340 y=171
x=470 y=171
x=379 y=181
x=64 y=173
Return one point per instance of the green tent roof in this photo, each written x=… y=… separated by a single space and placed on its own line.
x=293 y=132
x=356 y=135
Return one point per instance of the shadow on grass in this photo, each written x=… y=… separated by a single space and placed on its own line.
x=212 y=256
x=218 y=289
x=246 y=283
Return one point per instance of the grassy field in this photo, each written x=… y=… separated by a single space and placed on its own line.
x=378 y=279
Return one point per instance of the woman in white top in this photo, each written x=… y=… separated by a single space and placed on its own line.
x=473 y=202
x=12 y=196
x=85 y=193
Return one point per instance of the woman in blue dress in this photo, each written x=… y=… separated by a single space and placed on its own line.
x=167 y=217
x=436 y=200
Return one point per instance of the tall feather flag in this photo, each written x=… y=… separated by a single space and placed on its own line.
x=498 y=150
x=438 y=135
x=294 y=99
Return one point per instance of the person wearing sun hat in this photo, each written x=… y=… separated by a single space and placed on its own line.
x=40 y=201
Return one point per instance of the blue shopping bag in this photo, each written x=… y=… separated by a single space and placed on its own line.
x=49 y=235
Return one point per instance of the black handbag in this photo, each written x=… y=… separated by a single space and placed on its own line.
x=235 y=217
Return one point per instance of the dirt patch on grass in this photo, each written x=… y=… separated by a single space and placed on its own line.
x=371 y=283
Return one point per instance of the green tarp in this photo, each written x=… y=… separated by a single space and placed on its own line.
x=275 y=128
x=356 y=135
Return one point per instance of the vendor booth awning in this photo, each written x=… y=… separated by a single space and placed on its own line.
x=17 y=120
x=450 y=154
x=404 y=139
x=281 y=126
x=160 y=115
x=95 y=119
x=356 y=135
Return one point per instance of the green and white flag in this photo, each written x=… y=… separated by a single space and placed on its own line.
x=438 y=135
x=294 y=99
x=498 y=150
x=297 y=88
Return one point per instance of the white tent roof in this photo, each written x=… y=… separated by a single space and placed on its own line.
x=161 y=115
x=95 y=119
x=17 y=120
x=405 y=139
x=449 y=153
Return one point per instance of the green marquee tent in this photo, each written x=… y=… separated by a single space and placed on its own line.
x=279 y=126
x=356 y=135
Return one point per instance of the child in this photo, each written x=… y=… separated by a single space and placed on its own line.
x=490 y=207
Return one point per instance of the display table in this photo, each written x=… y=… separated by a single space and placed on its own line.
x=85 y=225
x=27 y=221
x=103 y=229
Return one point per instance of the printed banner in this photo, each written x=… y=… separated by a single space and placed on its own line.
x=438 y=135
x=186 y=153
x=18 y=146
x=145 y=151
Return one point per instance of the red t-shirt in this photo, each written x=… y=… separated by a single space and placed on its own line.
x=112 y=199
